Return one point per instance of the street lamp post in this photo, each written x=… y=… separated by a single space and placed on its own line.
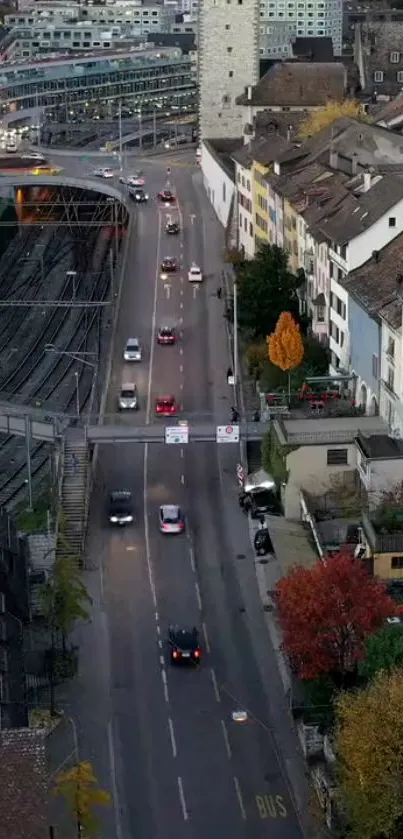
x=76 y=356
x=236 y=350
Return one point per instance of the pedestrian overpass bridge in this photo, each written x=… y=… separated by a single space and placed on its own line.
x=36 y=424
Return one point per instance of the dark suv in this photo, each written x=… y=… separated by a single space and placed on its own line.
x=184 y=645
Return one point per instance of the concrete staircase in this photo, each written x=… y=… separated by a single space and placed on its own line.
x=74 y=491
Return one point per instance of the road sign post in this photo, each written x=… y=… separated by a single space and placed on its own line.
x=227 y=434
x=176 y=434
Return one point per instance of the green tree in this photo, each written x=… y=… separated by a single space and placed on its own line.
x=64 y=597
x=369 y=744
x=266 y=288
x=383 y=652
x=80 y=788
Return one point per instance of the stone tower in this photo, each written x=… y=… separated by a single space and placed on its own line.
x=228 y=63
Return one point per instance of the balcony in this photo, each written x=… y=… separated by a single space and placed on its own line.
x=385 y=543
x=338 y=260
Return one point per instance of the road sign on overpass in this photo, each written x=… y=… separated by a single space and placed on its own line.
x=200 y=433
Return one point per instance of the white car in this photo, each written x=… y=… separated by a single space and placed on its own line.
x=128 y=400
x=132 y=350
x=195 y=275
x=171 y=519
x=103 y=172
x=33 y=155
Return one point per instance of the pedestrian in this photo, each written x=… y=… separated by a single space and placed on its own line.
x=229 y=373
x=76 y=462
x=256 y=416
x=219 y=292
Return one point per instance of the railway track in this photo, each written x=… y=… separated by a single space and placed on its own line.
x=54 y=383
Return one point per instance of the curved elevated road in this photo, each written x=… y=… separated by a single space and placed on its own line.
x=163 y=739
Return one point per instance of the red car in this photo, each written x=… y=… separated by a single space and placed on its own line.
x=166 y=196
x=166 y=336
x=166 y=406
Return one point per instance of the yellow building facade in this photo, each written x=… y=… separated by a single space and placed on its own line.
x=290 y=234
x=260 y=203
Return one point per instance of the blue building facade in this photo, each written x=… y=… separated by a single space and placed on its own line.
x=365 y=354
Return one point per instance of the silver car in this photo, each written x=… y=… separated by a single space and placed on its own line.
x=171 y=519
x=128 y=399
x=132 y=350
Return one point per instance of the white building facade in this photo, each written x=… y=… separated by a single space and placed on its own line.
x=219 y=186
x=246 y=236
x=228 y=61
x=281 y=21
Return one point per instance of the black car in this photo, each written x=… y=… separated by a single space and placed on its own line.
x=169 y=265
x=172 y=228
x=184 y=645
x=120 y=509
x=138 y=195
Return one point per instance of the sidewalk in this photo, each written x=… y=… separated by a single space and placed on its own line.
x=254 y=578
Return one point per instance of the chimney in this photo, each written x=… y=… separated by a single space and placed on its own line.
x=354 y=163
x=367 y=181
x=334 y=158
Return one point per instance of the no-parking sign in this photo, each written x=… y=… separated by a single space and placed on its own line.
x=227 y=433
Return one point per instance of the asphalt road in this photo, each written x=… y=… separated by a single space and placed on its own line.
x=179 y=765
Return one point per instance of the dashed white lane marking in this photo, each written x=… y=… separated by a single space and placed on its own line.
x=182 y=280
x=181 y=305
x=162 y=660
x=158 y=630
x=160 y=644
x=181 y=246
x=157 y=617
x=206 y=638
x=226 y=740
x=181 y=333
x=182 y=479
x=164 y=676
x=172 y=735
x=180 y=348
x=181 y=368
x=182 y=800
x=181 y=292
x=215 y=685
x=181 y=386
x=198 y=596
x=239 y=797
x=192 y=559
x=182 y=453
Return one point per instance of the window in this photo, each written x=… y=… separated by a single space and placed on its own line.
x=230 y=74
x=227 y=26
x=394 y=57
x=378 y=76
x=337 y=457
x=391 y=348
x=229 y=49
x=375 y=366
x=320 y=316
x=392 y=221
x=397 y=562
x=250 y=229
x=391 y=379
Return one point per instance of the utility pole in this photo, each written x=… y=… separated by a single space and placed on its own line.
x=120 y=136
x=154 y=129
x=235 y=332
x=140 y=129
x=28 y=451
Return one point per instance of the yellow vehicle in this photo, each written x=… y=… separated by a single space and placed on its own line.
x=45 y=170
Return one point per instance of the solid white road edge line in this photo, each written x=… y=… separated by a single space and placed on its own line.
x=172 y=735
x=115 y=797
x=239 y=797
x=215 y=685
x=226 y=740
x=198 y=596
x=182 y=799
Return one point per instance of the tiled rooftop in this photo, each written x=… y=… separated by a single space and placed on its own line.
x=299 y=84
x=375 y=285
x=24 y=787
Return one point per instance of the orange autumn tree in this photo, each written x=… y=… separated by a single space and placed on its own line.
x=285 y=345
